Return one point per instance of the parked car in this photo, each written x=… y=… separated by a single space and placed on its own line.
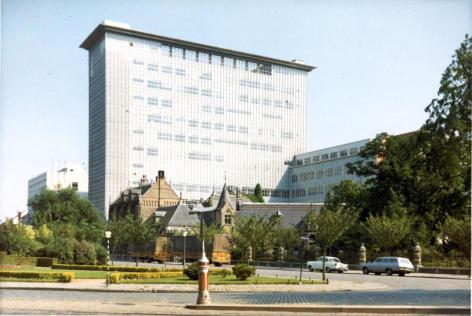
x=331 y=264
x=388 y=265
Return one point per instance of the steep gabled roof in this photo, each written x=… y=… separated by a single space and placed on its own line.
x=178 y=215
x=292 y=213
x=224 y=198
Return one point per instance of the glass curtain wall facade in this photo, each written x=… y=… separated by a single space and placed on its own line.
x=201 y=115
x=311 y=175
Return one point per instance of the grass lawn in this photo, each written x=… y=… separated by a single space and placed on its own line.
x=252 y=198
x=215 y=279
x=218 y=279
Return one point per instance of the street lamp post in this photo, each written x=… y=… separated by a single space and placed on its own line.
x=184 y=233
x=280 y=251
x=302 y=239
x=108 y=236
x=203 y=263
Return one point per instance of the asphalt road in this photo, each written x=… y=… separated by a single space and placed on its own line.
x=410 y=281
x=394 y=282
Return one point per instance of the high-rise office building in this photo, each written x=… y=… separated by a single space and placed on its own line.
x=198 y=112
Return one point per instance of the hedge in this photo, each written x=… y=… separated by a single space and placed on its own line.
x=45 y=262
x=56 y=276
x=223 y=272
x=117 y=276
x=18 y=260
x=28 y=261
x=112 y=268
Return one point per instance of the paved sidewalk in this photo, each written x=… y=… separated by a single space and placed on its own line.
x=99 y=285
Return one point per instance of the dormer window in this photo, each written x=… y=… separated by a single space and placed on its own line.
x=228 y=219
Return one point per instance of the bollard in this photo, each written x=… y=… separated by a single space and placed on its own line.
x=417 y=256
x=249 y=255
x=362 y=254
x=203 y=293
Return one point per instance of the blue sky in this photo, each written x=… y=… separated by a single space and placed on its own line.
x=379 y=65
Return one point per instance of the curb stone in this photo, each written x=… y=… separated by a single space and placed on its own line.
x=338 y=309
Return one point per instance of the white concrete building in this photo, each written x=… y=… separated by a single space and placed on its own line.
x=198 y=112
x=70 y=175
x=311 y=175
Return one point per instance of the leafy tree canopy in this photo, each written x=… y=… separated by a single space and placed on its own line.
x=63 y=206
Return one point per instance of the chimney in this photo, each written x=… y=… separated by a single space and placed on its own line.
x=144 y=180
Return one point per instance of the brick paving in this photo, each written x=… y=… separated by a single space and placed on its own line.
x=74 y=302
x=398 y=297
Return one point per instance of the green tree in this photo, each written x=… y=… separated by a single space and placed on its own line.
x=329 y=225
x=139 y=234
x=387 y=232
x=455 y=231
x=445 y=140
x=256 y=231
x=16 y=239
x=350 y=196
x=209 y=232
x=62 y=220
x=258 y=193
x=119 y=235
x=84 y=252
x=64 y=206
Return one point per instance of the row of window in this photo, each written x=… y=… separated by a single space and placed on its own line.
x=334 y=155
x=316 y=190
x=167 y=120
x=223 y=61
x=152 y=151
x=216 y=59
x=179 y=187
x=319 y=174
x=208 y=93
x=207 y=141
x=168 y=70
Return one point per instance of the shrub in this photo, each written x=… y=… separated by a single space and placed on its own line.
x=84 y=252
x=56 y=276
x=117 y=277
x=45 y=262
x=243 y=271
x=223 y=272
x=63 y=249
x=192 y=271
x=112 y=268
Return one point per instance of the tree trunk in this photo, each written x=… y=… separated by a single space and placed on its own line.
x=324 y=263
x=137 y=259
